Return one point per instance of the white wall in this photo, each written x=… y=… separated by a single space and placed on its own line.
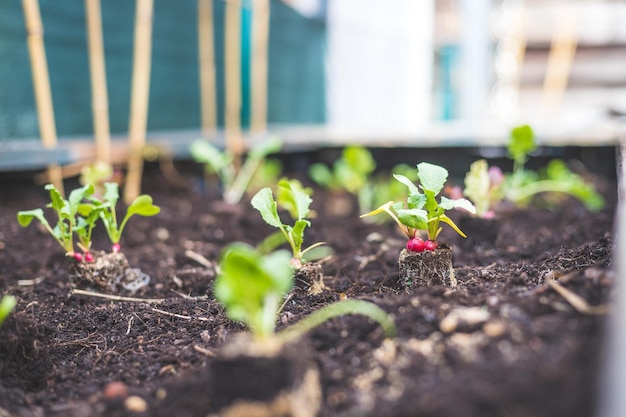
x=379 y=64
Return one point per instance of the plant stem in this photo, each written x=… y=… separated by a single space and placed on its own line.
x=339 y=309
x=233 y=194
x=537 y=187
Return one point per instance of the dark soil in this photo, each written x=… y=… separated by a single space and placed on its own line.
x=502 y=343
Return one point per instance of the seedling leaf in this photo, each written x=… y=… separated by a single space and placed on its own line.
x=431 y=177
x=264 y=202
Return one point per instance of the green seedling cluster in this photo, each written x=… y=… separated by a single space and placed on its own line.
x=294 y=199
x=78 y=215
x=252 y=287
x=422 y=211
x=235 y=182
x=349 y=173
x=488 y=186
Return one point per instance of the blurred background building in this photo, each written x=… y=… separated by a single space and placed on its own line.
x=422 y=73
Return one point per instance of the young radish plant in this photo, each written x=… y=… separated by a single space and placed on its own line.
x=423 y=212
x=350 y=173
x=253 y=287
x=294 y=199
x=233 y=180
x=69 y=220
x=141 y=206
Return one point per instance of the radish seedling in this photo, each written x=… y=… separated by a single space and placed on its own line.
x=234 y=181
x=423 y=211
x=141 y=206
x=252 y=287
x=483 y=187
x=349 y=173
x=294 y=199
x=68 y=219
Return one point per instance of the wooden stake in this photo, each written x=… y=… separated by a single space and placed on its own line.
x=259 y=64
x=41 y=85
x=139 y=98
x=99 y=96
x=560 y=60
x=232 y=40
x=206 y=53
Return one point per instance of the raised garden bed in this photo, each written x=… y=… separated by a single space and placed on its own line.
x=504 y=341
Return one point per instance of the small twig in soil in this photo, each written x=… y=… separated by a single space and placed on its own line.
x=198 y=258
x=118 y=297
x=179 y=316
x=189 y=297
x=575 y=300
x=30 y=282
x=365 y=260
x=130 y=324
x=204 y=351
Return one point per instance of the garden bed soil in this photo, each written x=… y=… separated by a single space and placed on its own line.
x=503 y=342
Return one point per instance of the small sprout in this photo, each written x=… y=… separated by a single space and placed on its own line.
x=141 y=206
x=68 y=218
x=482 y=187
x=295 y=199
x=97 y=174
x=423 y=211
x=7 y=304
x=349 y=173
x=252 y=287
x=235 y=181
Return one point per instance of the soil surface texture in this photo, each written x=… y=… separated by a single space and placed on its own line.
x=520 y=335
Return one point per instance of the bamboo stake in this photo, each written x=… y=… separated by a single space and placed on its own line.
x=232 y=40
x=41 y=85
x=259 y=64
x=99 y=96
x=206 y=53
x=139 y=97
x=560 y=60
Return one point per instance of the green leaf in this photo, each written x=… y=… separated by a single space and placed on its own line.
x=25 y=217
x=143 y=206
x=78 y=195
x=404 y=180
x=57 y=202
x=359 y=159
x=431 y=177
x=521 y=143
x=322 y=175
x=415 y=218
x=264 y=202
x=111 y=193
x=292 y=197
x=206 y=153
x=248 y=285
x=448 y=204
x=7 y=304
x=297 y=234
